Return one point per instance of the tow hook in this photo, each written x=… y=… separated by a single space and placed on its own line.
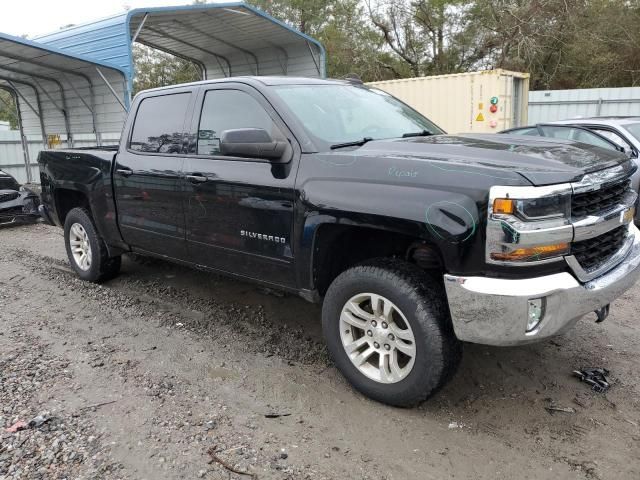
x=602 y=313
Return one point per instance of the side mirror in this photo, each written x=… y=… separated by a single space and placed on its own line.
x=252 y=143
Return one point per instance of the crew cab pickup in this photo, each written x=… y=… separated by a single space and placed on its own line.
x=413 y=240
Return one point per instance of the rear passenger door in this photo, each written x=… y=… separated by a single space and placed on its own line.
x=148 y=174
x=239 y=211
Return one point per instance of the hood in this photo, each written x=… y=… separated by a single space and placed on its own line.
x=539 y=160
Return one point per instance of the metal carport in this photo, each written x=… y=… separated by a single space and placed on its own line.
x=224 y=39
x=61 y=96
x=78 y=81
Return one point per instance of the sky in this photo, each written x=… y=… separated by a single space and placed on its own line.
x=37 y=17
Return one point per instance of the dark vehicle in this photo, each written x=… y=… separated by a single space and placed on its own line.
x=414 y=241
x=17 y=204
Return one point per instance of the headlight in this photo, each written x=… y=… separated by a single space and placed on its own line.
x=528 y=225
x=533 y=209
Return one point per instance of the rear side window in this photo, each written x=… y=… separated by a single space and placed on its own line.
x=159 y=124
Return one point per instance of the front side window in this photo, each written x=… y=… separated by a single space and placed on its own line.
x=614 y=137
x=228 y=110
x=576 y=134
x=159 y=124
x=345 y=113
x=634 y=130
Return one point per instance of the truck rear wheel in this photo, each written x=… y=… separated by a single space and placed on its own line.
x=87 y=252
x=388 y=330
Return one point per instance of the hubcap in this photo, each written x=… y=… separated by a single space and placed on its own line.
x=80 y=246
x=377 y=338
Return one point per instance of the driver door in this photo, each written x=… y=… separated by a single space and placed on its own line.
x=239 y=211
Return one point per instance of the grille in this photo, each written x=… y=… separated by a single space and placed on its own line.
x=591 y=203
x=596 y=251
x=7 y=197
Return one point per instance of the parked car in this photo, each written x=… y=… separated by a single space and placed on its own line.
x=623 y=131
x=17 y=204
x=602 y=136
x=413 y=240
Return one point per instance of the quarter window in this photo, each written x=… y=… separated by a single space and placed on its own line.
x=227 y=110
x=159 y=124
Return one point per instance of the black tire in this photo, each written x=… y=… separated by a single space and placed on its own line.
x=422 y=300
x=102 y=266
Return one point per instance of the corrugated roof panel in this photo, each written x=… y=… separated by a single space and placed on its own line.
x=215 y=35
x=104 y=40
x=60 y=93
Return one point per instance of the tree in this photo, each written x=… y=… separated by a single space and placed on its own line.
x=8 y=109
x=561 y=43
x=351 y=42
x=157 y=69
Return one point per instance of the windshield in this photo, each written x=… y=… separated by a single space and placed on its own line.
x=634 y=129
x=338 y=114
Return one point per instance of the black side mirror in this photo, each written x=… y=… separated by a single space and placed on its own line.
x=252 y=143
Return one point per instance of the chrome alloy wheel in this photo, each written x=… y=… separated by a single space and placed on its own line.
x=377 y=338
x=80 y=246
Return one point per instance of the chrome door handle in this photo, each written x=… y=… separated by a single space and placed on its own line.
x=125 y=172
x=196 y=178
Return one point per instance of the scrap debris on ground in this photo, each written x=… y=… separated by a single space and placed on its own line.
x=595 y=377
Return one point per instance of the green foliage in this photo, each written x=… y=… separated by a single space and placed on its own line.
x=8 y=109
x=158 y=69
x=561 y=43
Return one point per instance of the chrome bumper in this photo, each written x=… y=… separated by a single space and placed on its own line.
x=494 y=311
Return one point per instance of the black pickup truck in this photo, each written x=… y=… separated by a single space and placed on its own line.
x=415 y=241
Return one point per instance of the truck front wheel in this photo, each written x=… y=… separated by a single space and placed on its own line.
x=388 y=330
x=87 y=252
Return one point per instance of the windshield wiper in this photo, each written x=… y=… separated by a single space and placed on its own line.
x=423 y=133
x=355 y=143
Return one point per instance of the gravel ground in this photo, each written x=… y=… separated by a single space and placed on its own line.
x=148 y=375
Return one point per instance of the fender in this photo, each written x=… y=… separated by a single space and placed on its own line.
x=430 y=200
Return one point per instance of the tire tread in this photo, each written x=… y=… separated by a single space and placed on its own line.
x=108 y=267
x=428 y=293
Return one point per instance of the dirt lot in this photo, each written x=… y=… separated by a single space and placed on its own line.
x=141 y=377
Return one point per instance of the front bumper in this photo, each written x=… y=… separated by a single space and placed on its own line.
x=24 y=207
x=494 y=311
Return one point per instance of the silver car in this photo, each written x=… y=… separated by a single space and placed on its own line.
x=622 y=132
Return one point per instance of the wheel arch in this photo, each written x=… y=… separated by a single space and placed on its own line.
x=338 y=246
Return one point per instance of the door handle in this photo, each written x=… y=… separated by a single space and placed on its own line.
x=125 y=172
x=196 y=178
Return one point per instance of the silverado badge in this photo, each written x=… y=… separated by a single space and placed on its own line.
x=262 y=236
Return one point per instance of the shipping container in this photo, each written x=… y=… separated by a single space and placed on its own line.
x=477 y=102
x=551 y=105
